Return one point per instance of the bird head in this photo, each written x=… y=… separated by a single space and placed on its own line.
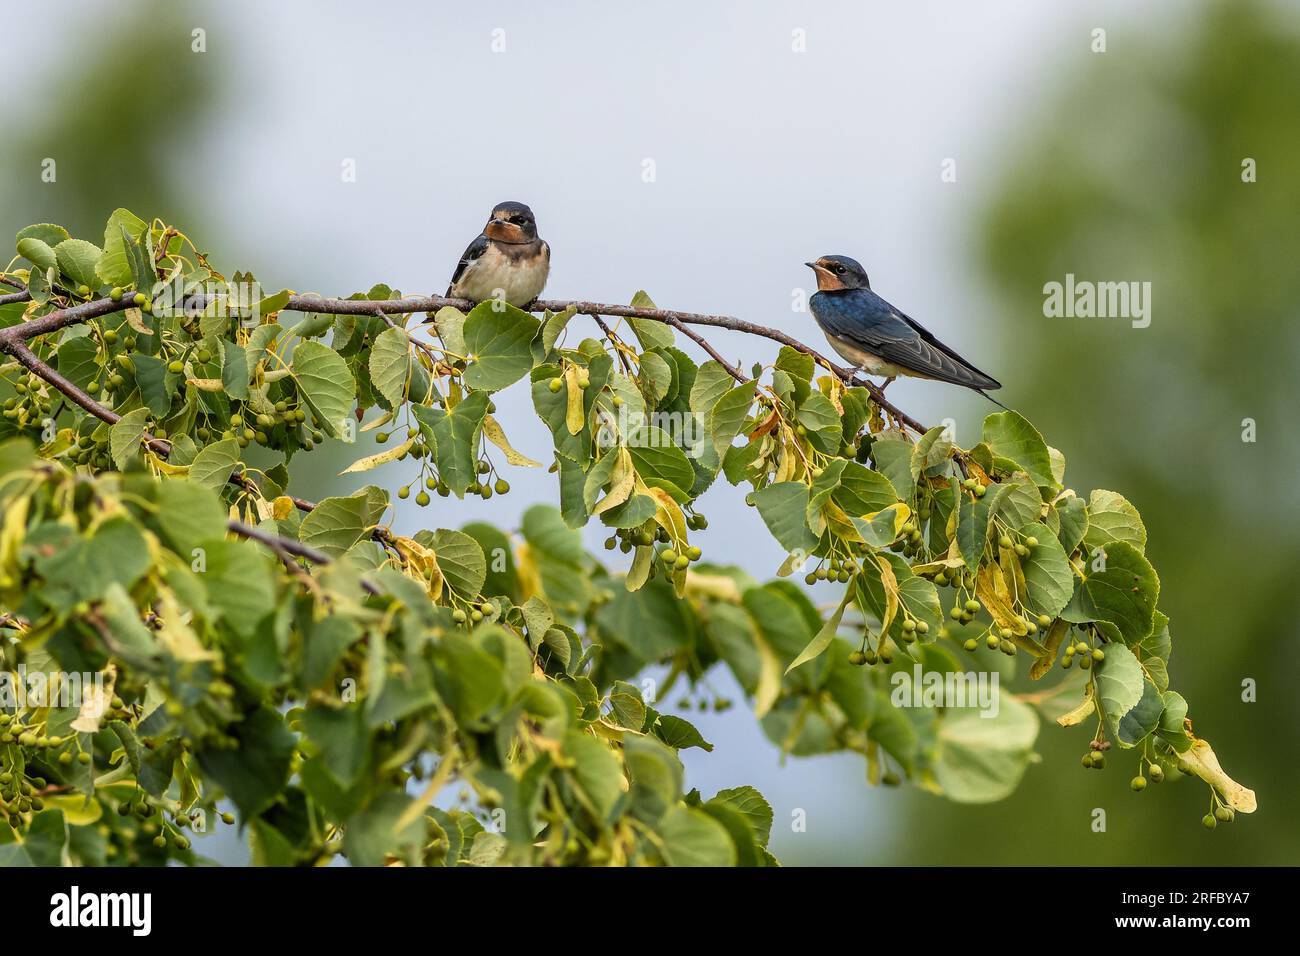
x=837 y=273
x=511 y=222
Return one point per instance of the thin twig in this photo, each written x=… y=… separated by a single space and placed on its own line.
x=61 y=318
x=286 y=549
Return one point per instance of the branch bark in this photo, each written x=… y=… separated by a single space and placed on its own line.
x=13 y=338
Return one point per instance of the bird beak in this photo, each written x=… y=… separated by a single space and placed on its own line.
x=811 y=265
x=496 y=222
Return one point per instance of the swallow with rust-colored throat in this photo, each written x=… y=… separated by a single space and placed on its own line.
x=879 y=339
x=508 y=260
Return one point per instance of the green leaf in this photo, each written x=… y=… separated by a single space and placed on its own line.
x=78 y=360
x=553 y=326
x=1154 y=650
x=822 y=639
x=822 y=420
x=1120 y=685
x=499 y=338
x=115 y=553
x=693 y=838
x=1112 y=518
x=1124 y=594
x=627 y=709
x=124 y=437
x=38 y=253
x=980 y=759
x=47 y=232
x=784 y=507
x=655 y=776
x=723 y=423
x=326 y=383
x=471 y=680
x=239 y=582
x=862 y=491
x=213 y=465
x=188 y=514
x=336 y=523
x=753 y=807
x=596 y=773
x=1143 y=719
x=78 y=259
x=157 y=385
x=462 y=562
x=124 y=227
x=660 y=463
x=679 y=734
x=932 y=448
x=390 y=364
x=544 y=530
x=383 y=829
x=1072 y=512
x=254 y=772
x=456 y=436
x=234 y=370
x=1048 y=576
x=893 y=459
x=649 y=333
x=1010 y=435
x=450 y=323
x=712 y=381
x=650 y=622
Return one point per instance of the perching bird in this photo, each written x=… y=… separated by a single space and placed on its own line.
x=508 y=260
x=877 y=338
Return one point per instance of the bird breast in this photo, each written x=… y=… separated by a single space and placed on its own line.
x=519 y=271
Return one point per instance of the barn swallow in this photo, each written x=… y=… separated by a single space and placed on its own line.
x=508 y=260
x=879 y=339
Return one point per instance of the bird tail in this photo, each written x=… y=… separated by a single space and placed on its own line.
x=993 y=400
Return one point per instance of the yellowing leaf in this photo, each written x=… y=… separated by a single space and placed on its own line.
x=639 y=572
x=890 y=584
x=379 y=422
x=95 y=702
x=207 y=384
x=78 y=811
x=575 y=418
x=769 y=677
x=423 y=560
x=1080 y=713
x=1200 y=759
x=492 y=429
x=383 y=458
x=282 y=507
x=622 y=481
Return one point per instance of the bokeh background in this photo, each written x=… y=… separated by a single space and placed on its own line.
x=1114 y=166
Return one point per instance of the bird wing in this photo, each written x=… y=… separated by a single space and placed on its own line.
x=473 y=251
x=875 y=326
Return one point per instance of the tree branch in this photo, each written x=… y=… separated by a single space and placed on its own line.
x=286 y=549
x=13 y=337
x=433 y=303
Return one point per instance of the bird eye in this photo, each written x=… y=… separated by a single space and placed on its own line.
x=839 y=270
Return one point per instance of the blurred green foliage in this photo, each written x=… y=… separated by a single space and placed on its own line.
x=116 y=115
x=1135 y=173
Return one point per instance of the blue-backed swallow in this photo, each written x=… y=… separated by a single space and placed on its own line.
x=879 y=339
x=508 y=260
